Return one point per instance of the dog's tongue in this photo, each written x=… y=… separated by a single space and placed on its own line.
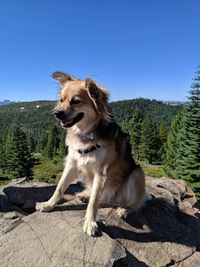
x=65 y=122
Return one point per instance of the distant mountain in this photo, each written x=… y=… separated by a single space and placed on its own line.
x=36 y=116
x=6 y=102
x=159 y=111
x=175 y=103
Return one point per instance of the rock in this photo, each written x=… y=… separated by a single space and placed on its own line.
x=193 y=260
x=5 y=204
x=25 y=193
x=8 y=221
x=168 y=184
x=56 y=239
x=160 y=192
x=175 y=191
x=165 y=232
x=155 y=236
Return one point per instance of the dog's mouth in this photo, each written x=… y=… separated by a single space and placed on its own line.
x=66 y=123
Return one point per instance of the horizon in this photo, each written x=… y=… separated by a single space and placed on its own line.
x=135 y=49
x=110 y=100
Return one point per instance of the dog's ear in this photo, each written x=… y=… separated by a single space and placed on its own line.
x=93 y=89
x=98 y=95
x=62 y=77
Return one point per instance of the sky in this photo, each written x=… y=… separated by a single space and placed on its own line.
x=135 y=48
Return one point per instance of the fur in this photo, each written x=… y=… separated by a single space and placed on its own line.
x=111 y=174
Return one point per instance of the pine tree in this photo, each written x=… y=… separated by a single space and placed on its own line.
x=31 y=143
x=188 y=153
x=126 y=126
x=18 y=158
x=170 y=158
x=135 y=127
x=53 y=142
x=4 y=140
x=163 y=139
x=62 y=146
x=1 y=153
x=150 y=142
x=42 y=143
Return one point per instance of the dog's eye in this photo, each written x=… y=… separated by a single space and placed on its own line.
x=61 y=100
x=75 y=101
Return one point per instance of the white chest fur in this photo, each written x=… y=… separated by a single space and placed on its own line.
x=90 y=162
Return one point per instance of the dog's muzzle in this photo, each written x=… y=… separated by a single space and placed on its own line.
x=67 y=121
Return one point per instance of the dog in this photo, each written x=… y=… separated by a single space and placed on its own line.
x=98 y=150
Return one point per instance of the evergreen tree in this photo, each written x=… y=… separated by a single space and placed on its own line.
x=62 y=146
x=1 y=153
x=163 y=138
x=52 y=142
x=18 y=158
x=135 y=127
x=4 y=140
x=150 y=142
x=170 y=158
x=188 y=153
x=42 y=143
x=125 y=126
x=31 y=143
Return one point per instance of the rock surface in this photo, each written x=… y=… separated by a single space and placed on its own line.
x=165 y=232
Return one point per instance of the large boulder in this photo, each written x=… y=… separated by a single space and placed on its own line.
x=165 y=232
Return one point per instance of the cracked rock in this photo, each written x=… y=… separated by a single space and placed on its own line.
x=60 y=242
x=165 y=232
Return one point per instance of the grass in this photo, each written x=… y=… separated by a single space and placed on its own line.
x=154 y=170
x=4 y=182
x=47 y=170
x=3 y=179
x=44 y=170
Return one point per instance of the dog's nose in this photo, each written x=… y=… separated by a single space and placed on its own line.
x=60 y=114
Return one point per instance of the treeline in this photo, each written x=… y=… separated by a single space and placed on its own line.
x=182 y=149
x=36 y=117
x=15 y=154
x=160 y=112
x=43 y=138
x=178 y=150
x=147 y=137
x=19 y=152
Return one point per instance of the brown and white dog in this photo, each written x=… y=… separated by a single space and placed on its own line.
x=97 y=150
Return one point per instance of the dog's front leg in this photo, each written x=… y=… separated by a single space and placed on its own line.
x=68 y=175
x=90 y=226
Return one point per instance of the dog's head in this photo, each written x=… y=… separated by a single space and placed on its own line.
x=82 y=102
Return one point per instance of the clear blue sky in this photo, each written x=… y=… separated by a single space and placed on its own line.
x=136 y=48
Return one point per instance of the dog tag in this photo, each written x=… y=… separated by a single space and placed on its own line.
x=88 y=137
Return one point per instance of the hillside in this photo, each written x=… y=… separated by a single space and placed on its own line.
x=159 y=111
x=35 y=117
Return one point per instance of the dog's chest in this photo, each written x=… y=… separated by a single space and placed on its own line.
x=91 y=162
x=86 y=160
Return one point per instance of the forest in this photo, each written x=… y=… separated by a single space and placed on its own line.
x=165 y=138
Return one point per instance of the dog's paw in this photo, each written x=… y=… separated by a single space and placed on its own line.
x=83 y=196
x=43 y=206
x=122 y=212
x=91 y=228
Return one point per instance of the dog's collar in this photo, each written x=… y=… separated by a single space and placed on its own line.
x=89 y=149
